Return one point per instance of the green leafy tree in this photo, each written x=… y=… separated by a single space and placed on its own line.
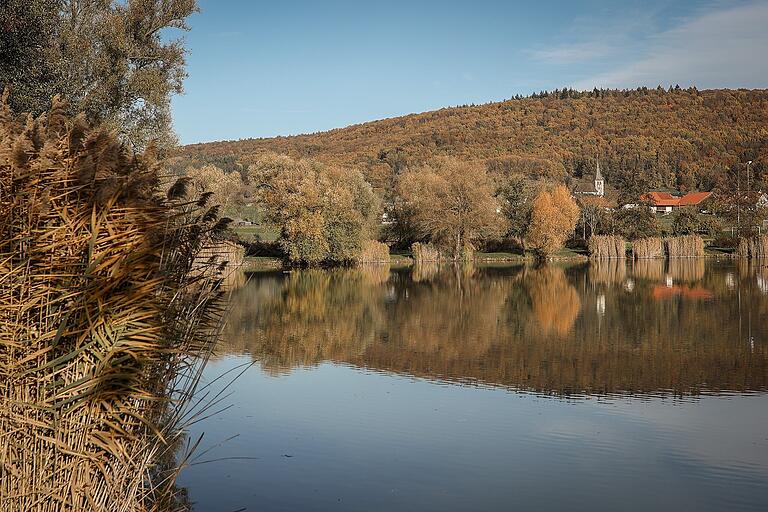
x=111 y=59
x=516 y=196
x=634 y=223
x=688 y=221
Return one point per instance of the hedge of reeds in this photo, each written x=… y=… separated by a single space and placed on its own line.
x=644 y=248
x=607 y=247
x=374 y=252
x=424 y=252
x=103 y=325
x=688 y=246
x=754 y=247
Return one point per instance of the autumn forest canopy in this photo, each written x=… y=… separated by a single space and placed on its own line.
x=645 y=139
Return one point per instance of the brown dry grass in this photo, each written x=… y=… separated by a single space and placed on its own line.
x=425 y=252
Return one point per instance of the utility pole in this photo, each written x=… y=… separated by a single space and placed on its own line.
x=738 y=188
x=738 y=201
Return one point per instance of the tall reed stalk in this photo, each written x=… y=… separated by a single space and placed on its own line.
x=104 y=325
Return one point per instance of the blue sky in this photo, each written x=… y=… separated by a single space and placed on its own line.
x=260 y=69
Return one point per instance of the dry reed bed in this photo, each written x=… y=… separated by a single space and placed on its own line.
x=644 y=248
x=688 y=246
x=101 y=319
x=425 y=252
x=607 y=247
x=374 y=252
x=755 y=247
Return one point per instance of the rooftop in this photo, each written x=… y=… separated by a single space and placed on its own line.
x=667 y=199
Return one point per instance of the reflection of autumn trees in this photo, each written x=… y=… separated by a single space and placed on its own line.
x=307 y=317
x=554 y=302
x=550 y=329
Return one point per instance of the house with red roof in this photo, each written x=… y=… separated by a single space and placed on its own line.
x=665 y=203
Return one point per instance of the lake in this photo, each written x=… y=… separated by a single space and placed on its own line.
x=606 y=386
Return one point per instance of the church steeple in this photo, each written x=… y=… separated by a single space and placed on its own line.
x=599 y=181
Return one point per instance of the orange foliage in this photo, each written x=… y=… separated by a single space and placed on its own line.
x=554 y=217
x=645 y=138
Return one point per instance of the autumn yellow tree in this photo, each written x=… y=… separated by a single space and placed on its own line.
x=227 y=188
x=451 y=203
x=553 y=219
x=325 y=214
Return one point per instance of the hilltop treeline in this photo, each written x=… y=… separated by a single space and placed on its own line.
x=645 y=139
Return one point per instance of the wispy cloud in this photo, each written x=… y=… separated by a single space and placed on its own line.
x=724 y=47
x=601 y=36
x=571 y=53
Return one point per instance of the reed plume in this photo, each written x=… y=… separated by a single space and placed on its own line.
x=103 y=323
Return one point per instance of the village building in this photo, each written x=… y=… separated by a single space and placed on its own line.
x=593 y=187
x=594 y=191
x=665 y=203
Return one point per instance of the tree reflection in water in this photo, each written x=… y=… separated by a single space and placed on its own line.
x=597 y=328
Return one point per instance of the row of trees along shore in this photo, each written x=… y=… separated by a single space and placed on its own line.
x=330 y=214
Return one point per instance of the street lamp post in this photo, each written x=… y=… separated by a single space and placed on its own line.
x=738 y=195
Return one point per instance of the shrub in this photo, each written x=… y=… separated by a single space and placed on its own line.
x=726 y=241
x=635 y=223
x=688 y=221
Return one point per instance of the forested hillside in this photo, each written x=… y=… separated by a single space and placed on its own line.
x=645 y=138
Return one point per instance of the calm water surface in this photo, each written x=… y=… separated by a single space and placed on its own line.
x=602 y=387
